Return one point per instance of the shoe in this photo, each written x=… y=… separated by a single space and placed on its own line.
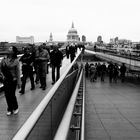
x=37 y=82
x=9 y=113
x=32 y=88
x=15 y=111
x=43 y=88
x=53 y=83
x=22 y=92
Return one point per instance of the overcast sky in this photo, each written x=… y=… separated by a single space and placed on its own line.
x=108 y=18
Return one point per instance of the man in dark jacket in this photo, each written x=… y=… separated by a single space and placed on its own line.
x=110 y=71
x=27 y=69
x=72 y=52
x=56 y=58
x=122 y=71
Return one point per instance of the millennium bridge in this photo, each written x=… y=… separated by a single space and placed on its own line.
x=75 y=108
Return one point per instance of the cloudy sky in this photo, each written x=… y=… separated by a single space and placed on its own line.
x=108 y=18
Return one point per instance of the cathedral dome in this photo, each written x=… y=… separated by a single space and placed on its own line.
x=72 y=34
x=72 y=30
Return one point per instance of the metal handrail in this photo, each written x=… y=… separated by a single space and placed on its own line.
x=63 y=128
x=31 y=121
x=82 y=137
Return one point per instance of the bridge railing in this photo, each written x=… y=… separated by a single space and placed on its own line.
x=43 y=122
x=72 y=124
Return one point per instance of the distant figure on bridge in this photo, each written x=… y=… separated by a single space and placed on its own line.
x=10 y=68
x=103 y=71
x=110 y=71
x=67 y=51
x=42 y=59
x=98 y=69
x=27 y=69
x=83 y=48
x=72 y=52
x=122 y=71
x=92 y=73
x=87 y=69
x=56 y=57
x=115 y=73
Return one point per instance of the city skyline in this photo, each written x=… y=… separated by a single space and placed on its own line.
x=39 y=18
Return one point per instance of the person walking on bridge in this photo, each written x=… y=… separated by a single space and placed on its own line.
x=56 y=58
x=103 y=71
x=42 y=59
x=122 y=71
x=115 y=72
x=27 y=69
x=72 y=52
x=10 y=69
x=110 y=71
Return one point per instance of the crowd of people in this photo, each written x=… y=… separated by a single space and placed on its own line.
x=101 y=70
x=35 y=63
x=36 y=59
x=71 y=50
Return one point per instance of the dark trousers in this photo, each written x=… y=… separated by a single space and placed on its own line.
x=56 y=76
x=102 y=76
x=42 y=77
x=110 y=77
x=28 y=73
x=10 y=89
x=122 y=77
x=72 y=58
x=36 y=67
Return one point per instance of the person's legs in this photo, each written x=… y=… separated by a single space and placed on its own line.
x=58 y=72
x=25 y=74
x=14 y=99
x=10 y=89
x=53 y=74
x=31 y=79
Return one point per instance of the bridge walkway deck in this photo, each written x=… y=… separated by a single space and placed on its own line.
x=112 y=111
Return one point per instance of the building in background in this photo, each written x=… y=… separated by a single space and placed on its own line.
x=72 y=35
x=83 y=38
x=29 y=39
x=99 y=39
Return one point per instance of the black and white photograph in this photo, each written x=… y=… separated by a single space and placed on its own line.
x=69 y=70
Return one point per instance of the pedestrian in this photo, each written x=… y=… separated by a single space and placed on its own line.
x=10 y=69
x=72 y=52
x=92 y=73
x=122 y=71
x=87 y=69
x=48 y=49
x=27 y=69
x=115 y=73
x=110 y=71
x=42 y=60
x=67 y=51
x=56 y=58
x=98 y=69
x=36 y=64
x=103 y=71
